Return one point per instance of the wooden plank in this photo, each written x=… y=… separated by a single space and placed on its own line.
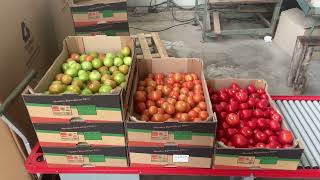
x=264 y=20
x=299 y=50
x=144 y=47
x=216 y=23
x=223 y=2
x=252 y=9
x=155 y=55
x=160 y=47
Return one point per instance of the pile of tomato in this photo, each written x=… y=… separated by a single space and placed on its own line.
x=171 y=97
x=247 y=120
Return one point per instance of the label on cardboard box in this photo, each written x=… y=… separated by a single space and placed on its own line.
x=159 y=135
x=87 y=110
x=92 y=135
x=69 y=136
x=75 y=158
x=180 y=158
x=93 y=15
x=97 y=158
x=182 y=135
x=61 y=110
x=246 y=160
x=159 y=158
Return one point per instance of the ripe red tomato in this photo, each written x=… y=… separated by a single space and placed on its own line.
x=233 y=100
x=261 y=91
x=232 y=107
x=268 y=132
x=193 y=114
x=171 y=101
x=150 y=103
x=181 y=106
x=252 y=124
x=223 y=115
x=166 y=90
x=223 y=97
x=233 y=120
x=260 y=145
x=235 y=86
x=153 y=110
x=258 y=113
x=223 y=125
x=243 y=124
x=160 y=102
x=189 y=85
x=184 y=91
x=231 y=92
x=261 y=123
x=246 y=131
x=251 y=89
x=254 y=95
x=214 y=98
x=260 y=137
x=252 y=142
x=174 y=95
x=276 y=117
x=274 y=125
x=154 y=95
x=202 y=105
x=241 y=96
x=170 y=80
x=230 y=132
x=158 y=76
x=266 y=114
x=203 y=115
x=273 y=144
x=245 y=114
x=224 y=105
x=198 y=98
x=262 y=104
x=140 y=107
x=157 y=118
x=244 y=106
x=140 y=96
x=184 y=117
x=285 y=137
x=264 y=96
x=272 y=138
x=170 y=109
x=240 y=141
x=177 y=77
x=287 y=146
x=252 y=102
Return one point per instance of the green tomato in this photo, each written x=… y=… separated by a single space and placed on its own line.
x=95 y=75
x=65 y=66
x=86 y=91
x=110 y=55
x=109 y=82
x=119 y=54
x=118 y=61
x=86 y=65
x=96 y=63
x=82 y=57
x=70 y=62
x=73 y=89
x=76 y=66
x=77 y=82
x=119 y=78
x=113 y=69
x=124 y=69
x=71 y=72
x=84 y=77
x=93 y=54
x=108 y=61
x=81 y=72
x=123 y=85
x=94 y=86
x=125 y=51
x=105 y=89
x=127 y=61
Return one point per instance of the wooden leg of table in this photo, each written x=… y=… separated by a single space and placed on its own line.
x=275 y=17
x=216 y=23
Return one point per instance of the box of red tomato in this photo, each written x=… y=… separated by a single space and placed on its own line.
x=171 y=123
x=251 y=132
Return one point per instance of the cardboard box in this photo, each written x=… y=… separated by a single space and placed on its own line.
x=66 y=107
x=226 y=157
x=107 y=17
x=171 y=156
x=141 y=133
x=86 y=156
x=80 y=133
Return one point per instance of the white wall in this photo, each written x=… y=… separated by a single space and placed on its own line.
x=147 y=2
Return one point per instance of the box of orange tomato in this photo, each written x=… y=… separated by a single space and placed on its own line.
x=158 y=136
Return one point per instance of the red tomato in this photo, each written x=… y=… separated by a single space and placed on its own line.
x=177 y=77
x=287 y=146
x=254 y=95
x=166 y=90
x=223 y=115
x=159 y=81
x=197 y=109
x=258 y=113
x=285 y=137
x=264 y=96
x=262 y=104
x=171 y=101
x=197 y=82
x=224 y=125
x=150 y=103
x=149 y=89
x=230 y=132
x=160 y=111
x=152 y=83
x=266 y=114
x=146 y=112
x=166 y=116
x=260 y=137
x=274 y=125
x=181 y=106
x=182 y=97
x=188 y=77
x=244 y=106
x=223 y=97
x=170 y=80
x=260 y=145
x=268 y=132
x=252 y=142
x=198 y=98
x=231 y=92
x=240 y=141
x=193 y=114
x=214 y=98
x=174 y=95
x=170 y=109
x=261 y=123
x=189 y=85
x=184 y=117
x=184 y=91
x=140 y=88
x=191 y=101
x=154 y=95
x=245 y=114
x=158 y=76
x=243 y=124
x=261 y=91
x=140 y=96
x=235 y=86
x=140 y=107
x=198 y=87
x=158 y=118
x=153 y=110
x=252 y=102
x=232 y=107
x=233 y=100
x=233 y=120
x=246 y=131
x=272 y=138
x=276 y=117
x=252 y=124
x=241 y=96
x=273 y=144
x=160 y=102
x=202 y=105
x=251 y=89
x=224 y=105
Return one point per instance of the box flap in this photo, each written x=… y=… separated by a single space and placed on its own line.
x=298 y=17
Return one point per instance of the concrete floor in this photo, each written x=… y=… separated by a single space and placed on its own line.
x=232 y=56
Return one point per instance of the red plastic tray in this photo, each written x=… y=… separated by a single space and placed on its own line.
x=34 y=166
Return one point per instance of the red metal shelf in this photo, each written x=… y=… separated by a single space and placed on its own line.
x=34 y=166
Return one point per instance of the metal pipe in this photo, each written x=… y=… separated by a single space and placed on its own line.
x=304 y=129
x=317 y=105
x=312 y=116
x=307 y=159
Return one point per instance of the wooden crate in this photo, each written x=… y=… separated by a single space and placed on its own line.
x=149 y=46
